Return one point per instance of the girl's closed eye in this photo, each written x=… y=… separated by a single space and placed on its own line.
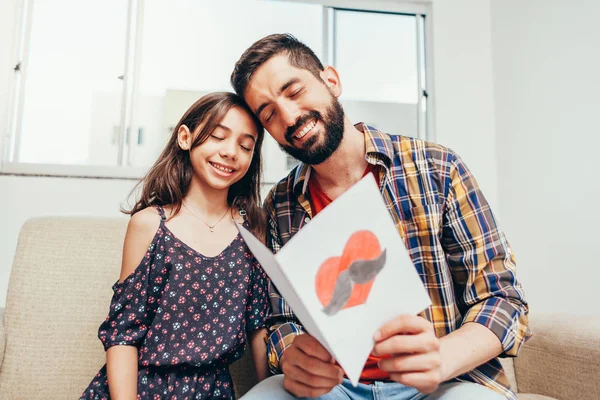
x=217 y=137
x=247 y=142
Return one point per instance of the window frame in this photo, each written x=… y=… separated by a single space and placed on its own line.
x=21 y=35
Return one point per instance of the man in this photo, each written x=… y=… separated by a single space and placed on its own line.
x=478 y=308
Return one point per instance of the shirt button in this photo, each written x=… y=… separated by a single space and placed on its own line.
x=306 y=220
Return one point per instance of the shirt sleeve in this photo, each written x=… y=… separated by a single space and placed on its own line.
x=482 y=263
x=282 y=324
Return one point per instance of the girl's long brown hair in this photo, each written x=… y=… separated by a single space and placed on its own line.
x=168 y=181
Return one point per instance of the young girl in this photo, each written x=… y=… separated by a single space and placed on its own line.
x=190 y=294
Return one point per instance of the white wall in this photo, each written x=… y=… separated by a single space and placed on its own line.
x=463 y=84
x=546 y=73
x=395 y=118
x=24 y=197
x=463 y=119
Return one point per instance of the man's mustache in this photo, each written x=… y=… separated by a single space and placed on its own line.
x=309 y=116
x=359 y=272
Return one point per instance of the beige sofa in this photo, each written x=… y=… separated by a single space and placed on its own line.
x=59 y=292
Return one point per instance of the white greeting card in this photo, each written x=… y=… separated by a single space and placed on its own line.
x=346 y=273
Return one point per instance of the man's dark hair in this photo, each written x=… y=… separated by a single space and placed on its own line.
x=299 y=55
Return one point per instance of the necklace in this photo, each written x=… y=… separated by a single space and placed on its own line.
x=212 y=228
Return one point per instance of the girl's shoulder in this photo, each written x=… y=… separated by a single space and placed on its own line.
x=146 y=220
x=141 y=231
x=144 y=226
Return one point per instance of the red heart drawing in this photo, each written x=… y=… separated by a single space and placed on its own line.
x=362 y=245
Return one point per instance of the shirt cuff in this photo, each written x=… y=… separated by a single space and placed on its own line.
x=507 y=321
x=279 y=340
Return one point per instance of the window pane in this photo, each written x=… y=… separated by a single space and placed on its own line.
x=189 y=48
x=376 y=56
x=72 y=98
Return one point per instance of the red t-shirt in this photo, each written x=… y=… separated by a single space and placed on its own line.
x=318 y=201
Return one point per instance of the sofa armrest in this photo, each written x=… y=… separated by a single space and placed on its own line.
x=2 y=337
x=562 y=359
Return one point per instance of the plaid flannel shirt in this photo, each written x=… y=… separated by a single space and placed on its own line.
x=462 y=257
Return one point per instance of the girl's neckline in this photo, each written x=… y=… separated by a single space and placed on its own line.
x=196 y=252
x=164 y=226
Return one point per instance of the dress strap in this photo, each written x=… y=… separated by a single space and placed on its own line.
x=161 y=212
x=242 y=213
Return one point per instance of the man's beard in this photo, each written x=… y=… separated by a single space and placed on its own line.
x=311 y=152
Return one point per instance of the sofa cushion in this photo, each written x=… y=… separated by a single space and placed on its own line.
x=2 y=336
x=58 y=294
x=534 y=397
x=562 y=359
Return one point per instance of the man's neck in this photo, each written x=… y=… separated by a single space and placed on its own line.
x=347 y=164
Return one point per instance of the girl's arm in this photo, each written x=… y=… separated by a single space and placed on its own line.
x=122 y=370
x=122 y=361
x=259 y=353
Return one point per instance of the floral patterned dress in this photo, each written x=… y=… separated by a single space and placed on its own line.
x=189 y=316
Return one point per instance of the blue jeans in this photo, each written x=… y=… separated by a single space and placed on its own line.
x=272 y=389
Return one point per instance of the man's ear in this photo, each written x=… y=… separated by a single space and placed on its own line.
x=332 y=80
x=184 y=137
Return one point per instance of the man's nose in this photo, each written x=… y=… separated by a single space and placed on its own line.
x=290 y=113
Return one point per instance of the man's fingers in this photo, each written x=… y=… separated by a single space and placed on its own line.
x=308 y=379
x=308 y=369
x=403 y=344
x=403 y=324
x=299 y=355
x=311 y=347
x=312 y=365
x=411 y=363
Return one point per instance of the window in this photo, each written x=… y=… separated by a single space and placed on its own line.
x=380 y=63
x=100 y=96
x=72 y=87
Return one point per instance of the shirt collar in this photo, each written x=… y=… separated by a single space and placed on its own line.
x=378 y=151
